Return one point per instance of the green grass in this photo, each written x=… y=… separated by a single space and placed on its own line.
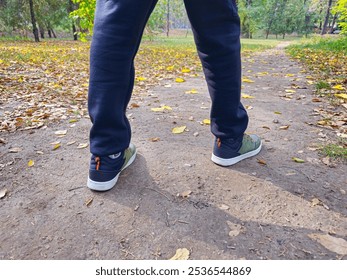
x=332 y=43
x=335 y=151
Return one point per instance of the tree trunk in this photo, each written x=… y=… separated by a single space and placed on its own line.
x=326 y=21
x=42 y=32
x=333 y=23
x=33 y=21
x=168 y=19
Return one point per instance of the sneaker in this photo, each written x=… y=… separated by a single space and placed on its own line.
x=227 y=152
x=104 y=171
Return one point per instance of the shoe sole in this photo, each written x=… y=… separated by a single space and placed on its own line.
x=106 y=186
x=232 y=161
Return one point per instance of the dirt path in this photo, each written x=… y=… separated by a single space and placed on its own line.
x=268 y=207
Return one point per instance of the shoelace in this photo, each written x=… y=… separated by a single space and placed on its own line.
x=219 y=142
x=98 y=162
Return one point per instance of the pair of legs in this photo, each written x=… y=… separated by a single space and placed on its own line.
x=118 y=29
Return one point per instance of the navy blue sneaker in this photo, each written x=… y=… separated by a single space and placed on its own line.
x=227 y=152
x=104 y=171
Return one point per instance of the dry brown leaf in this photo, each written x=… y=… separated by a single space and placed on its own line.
x=315 y=202
x=82 y=145
x=15 y=150
x=181 y=254
x=60 y=132
x=224 y=207
x=284 y=127
x=185 y=194
x=3 y=193
x=2 y=141
x=89 y=201
x=154 y=139
x=261 y=161
x=334 y=244
x=134 y=105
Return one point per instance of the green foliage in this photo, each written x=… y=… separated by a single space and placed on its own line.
x=335 y=151
x=84 y=17
x=341 y=10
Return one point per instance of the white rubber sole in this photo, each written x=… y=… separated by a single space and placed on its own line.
x=105 y=186
x=232 y=161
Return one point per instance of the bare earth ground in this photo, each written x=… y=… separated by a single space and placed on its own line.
x=173 y=196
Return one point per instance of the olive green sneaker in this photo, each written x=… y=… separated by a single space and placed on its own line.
x=104 y=171
x=227 y=152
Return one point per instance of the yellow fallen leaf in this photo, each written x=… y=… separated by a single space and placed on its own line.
x=185 y=70
x=246 y=80
x=140 y=79
x=192 y=91
x=290 y=75
x=206 y=121
x=246 y=96
x=341 y=95
x=338 y=87
x=161 y=109
x=31 y=163
x=278 y=113
x=170 y=68
x=181 y=254
x=56 y=146
x=298 y=160
x=261 y=161
x=179 y=129
x=290 y=91
x=180 y=80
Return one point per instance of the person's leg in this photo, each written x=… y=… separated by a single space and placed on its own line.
x=118 y=29
x=216 y=28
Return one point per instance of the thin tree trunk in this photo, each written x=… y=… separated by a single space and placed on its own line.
x=326 y=21
x=333 y=23
x=168 y=19
x=33 y=21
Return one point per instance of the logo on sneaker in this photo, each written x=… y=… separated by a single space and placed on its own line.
x=114 y=156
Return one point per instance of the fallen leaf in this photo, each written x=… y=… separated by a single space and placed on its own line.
x=298 y=160
x=248 y=107
x=57 y=146
x=71 y=143
x=15 y=150
x=154 y=139
x=141 y=79
x=2 y=141
x=88 y=202
x=339 y=87
x=235 y=229
x=278 y=113
x=224 y=207
x=315 y=202
x=246 y=96
x=266 y=127
x=31 y=163
x=290 y=75
x=206 y=121
x=179 y=129
x=161 y=109
x=3 y=193
x=181 y=254
x=180 y=80
x=82 y=145
x=134 y=105
x=261 y=161
x=341 y=95
x=185 y=194
x=60 y=132
x=192 y=91
x=290 y=91
x=185 y=70
x=246 y=80
x=316 y=100
x=284 y=127
x=334 y=244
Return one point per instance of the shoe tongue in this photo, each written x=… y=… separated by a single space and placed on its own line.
x=114 y=156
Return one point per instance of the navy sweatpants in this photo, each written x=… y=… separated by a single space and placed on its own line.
x=118 y=29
